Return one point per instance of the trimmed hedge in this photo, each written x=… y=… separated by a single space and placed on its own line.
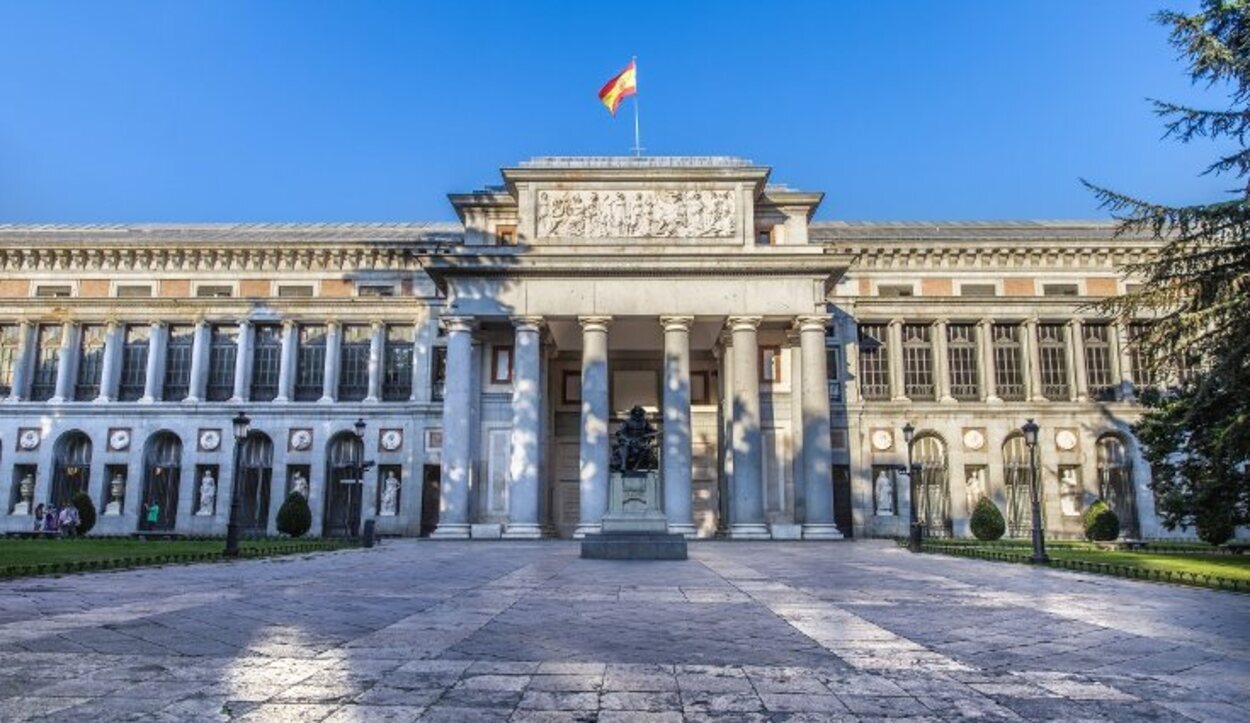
x=987 y=522
x=1101 y=524
x=118 y=563
x=294 y=517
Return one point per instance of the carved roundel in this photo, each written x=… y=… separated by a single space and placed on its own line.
x=1065 y=439
x=974 y=439
x=210 y=440
x=28 y=438
x=119 y=440
x=301 y=439
x=391 y=439
x=882 y=439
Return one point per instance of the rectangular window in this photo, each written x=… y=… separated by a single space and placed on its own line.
x=874 y=361
x=291 y=291
x=310 y=363
x=770 y=365
x=133 y=291
x=375 y=290
x=1143 y=375
x=178 y=363
x=10 y=346
x=501 y=365
x=833 y=369
x=214 y=291
x=764 y=237
x=1060 y=290
x=90 y=362
x=397 y=363
x=266 y=362
x=1098 y=361
x=47 y=358
x=506 y=234
x=961 y=346
x=134 y=363
x=438 y=372
x=354 y=363
x=918 y=362
x=896 y=290
x=977 y=290
x=1053 y=348
x=51 y=291
x=1008 y=362
x=222 y=352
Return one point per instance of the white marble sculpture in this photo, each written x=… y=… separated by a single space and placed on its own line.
x=703 y=212
x=390 y=495
x=208 y=494
x=1069 y=492
x=976 y=487
x=117 y=490
x=25 y=490
x=884 y=490
x=299 y=484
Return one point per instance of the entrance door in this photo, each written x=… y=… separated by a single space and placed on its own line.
x=431 y=490
x=344 y=457
x=568 y=492
x=71 y=467
x=255 y=475
x=1115 y=484
x=842 y=516
x=162 y=475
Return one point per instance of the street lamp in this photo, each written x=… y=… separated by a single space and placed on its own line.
x=241 y=423
x=916 y=529
x=352 y=520
x=1030 y=430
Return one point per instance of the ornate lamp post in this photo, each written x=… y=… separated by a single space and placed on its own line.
x=915 y=532
x=360 y=474
x=241 y=425
x=1039 y=557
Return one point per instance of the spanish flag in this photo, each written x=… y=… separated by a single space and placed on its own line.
x=623 y=85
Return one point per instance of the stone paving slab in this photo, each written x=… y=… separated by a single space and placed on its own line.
x=479 y=631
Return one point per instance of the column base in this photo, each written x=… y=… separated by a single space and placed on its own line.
x=146 y=400
x=586 y=528
x=821 y=531
x=993 y=399
x=749 y=531
x=522 y=531
x=685 y=529
x=326 y=400
x=450 y=531
x=948 y=400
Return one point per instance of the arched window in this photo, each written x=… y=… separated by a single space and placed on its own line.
x=255 y=474
x=1115 y=482
x=932 y=486
x=71 y=470
x=1016 y=479
x=162 y=475
x=343 y=478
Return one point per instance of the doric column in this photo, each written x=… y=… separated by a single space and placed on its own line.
x=67 y=363
x=200 y=344
x=1078 y=380
x=24 y=363
x=894 y=354
x=748 y=440
x=377 y=339
x=154 y=382
x=985 y=361
x=286 y=362
x=1033 y=359
x=818 y=521
x=110 y=371
x=453 y=519
x=242 y=362
x=677 y=451
x=526 y=429
x=1123 y=356
x=330 y=370
x=941 y=362
x=595 y=444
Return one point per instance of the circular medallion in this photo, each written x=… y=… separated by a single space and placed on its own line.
x=1065 y=439
x=301 y=439
x=882 y=439
x=29 y=439
x=392 y=439
x=119 y=439
x=210 y=439
x=974 y=439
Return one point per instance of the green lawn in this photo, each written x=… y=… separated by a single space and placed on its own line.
x=16 y=555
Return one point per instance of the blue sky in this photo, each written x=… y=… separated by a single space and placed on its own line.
x=256 y=110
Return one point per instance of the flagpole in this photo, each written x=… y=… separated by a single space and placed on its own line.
x=637 y=137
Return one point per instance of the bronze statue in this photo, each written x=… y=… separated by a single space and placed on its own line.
x=634 y=444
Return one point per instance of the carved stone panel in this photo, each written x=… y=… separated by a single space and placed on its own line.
x=638 y=213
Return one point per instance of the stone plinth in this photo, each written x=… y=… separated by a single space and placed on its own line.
x=635 y=527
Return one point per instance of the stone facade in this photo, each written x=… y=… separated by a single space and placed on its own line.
x=490 y=361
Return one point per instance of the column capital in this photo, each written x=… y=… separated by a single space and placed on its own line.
x=594 y=323
x=529 y=322
x=896 y=321
x=743 y=323
x=812 y=322
x=376 y=324
x=288 y=323
x=676 y=323
x=458 y=323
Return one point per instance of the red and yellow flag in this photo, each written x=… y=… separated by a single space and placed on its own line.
x=623 y=85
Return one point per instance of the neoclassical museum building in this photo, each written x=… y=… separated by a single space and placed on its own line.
x=464 y=379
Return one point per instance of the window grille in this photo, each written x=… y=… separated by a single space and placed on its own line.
x=1115 y=484
x=1098 y=361
x=310 y=363
x=931 y=486
x=918 y=362
x=354 y=369
x=961 y=340
x=874 y=361
x=1053 y=348
x=134 y=363
x=1008 y=367
x=10 y=345
x=221 y=355
x=266 y=362
x=397 y=366
x=438 y=372
x=833 y=371
x=178 y=363
x=1016 y=477
x=47 y=358
x=90 y=362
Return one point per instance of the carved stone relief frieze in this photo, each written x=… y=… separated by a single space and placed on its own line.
x=689 y=213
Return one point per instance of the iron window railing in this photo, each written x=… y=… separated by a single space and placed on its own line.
x=178 y=353
x=1008 y=367
x=918 y=362
x=90 y=362
x=874 y=361
x=965 y=378
x=134 y=363
x=1053 y=348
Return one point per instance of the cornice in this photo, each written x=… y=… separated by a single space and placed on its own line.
x=191 y=257
x=998 y=254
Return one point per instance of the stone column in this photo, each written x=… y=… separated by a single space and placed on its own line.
x=154 y=381
x=286 y=362
x=67 y=364
x=1078 y=381
x=941 y=362
x=850 y=365
x=595 y=442
x=985 y=361
x=677 y=451
x=376 y=341
x=818 y=521
x=526 y=429
x=330 y=371
x=422 y=356
x=894 y=354
x=110 y=373
x=24 y=363
x=453 y=520
x=1123 y=356
x=242 y=362
x=200 y=343
x=1033 y=360
x=748 y=440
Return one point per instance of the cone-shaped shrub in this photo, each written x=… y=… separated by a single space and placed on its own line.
x=86 y=512
x=1101 y=524
x=294 y=517
x=987 y=522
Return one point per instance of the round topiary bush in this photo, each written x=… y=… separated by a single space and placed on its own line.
x=294 y=517
x=86 y=512
x=1101 y=524
x=987 y=522
x=1215 y=529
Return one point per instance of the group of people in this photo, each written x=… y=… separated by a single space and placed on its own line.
x=51 y=520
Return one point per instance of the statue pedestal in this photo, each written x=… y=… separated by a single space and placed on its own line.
x=113 y=509
x=634 y=527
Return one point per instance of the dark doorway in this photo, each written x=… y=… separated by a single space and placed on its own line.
x=255 y=475
x=344 y=458
x=71 y=467
x=431 y=484
x=162 y=475
x=842 y=501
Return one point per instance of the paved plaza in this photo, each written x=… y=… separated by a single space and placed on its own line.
x=464 y=631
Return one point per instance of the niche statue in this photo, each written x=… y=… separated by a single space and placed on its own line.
x=634 y=445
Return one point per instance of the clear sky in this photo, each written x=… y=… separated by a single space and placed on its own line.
x=260 y=110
